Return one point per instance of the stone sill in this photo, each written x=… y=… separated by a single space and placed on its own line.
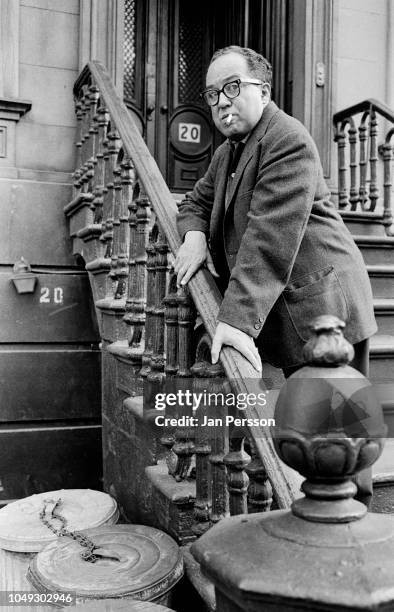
x=13 y=109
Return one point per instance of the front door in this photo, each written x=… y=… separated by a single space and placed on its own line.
x=168 y=44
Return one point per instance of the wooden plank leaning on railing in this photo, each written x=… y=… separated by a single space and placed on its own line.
x=358 y=155
x=202 y=287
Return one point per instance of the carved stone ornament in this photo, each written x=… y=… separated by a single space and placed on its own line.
x=329 y=425
x=326 y=553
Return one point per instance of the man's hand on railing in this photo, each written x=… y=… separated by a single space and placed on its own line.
x=231 y=336
x=191 y=256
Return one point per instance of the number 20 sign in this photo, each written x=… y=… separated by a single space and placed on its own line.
x=55 y=296
x=189 y=132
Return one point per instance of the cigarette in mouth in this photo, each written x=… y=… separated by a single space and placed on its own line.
x=228 y=119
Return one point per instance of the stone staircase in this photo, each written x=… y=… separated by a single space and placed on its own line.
x=149 y=495
x=378 y=253
x=116 y=182
x=174 y=501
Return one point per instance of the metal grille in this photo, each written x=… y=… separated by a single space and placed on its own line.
x=190 y=67
x=129 y=49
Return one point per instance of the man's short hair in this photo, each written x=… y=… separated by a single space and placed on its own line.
x=258 y=66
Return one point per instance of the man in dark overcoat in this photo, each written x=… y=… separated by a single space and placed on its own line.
x=262 y=221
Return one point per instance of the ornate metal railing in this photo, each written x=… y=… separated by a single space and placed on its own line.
x=122 y=220
x=359 y=146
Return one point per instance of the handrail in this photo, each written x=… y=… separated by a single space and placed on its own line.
x=202 y=286
x=365 y=105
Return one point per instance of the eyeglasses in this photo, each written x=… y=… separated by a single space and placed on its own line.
x=231 y=90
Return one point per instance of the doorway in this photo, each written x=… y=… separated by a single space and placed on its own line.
x=168 y=44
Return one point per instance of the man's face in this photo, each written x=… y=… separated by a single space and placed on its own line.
x=245 y=109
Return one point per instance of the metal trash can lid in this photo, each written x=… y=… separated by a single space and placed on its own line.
x=21 y=529
x=121 y=605
x=149 y=564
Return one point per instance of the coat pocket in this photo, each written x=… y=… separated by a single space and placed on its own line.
x=313 y=295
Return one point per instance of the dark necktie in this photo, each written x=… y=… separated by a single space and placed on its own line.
x=220 y=259
x=236 y=152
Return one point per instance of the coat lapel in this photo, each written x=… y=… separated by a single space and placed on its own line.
x=250 y=147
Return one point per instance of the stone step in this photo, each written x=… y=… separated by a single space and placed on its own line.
x=382 y=344
x=171 y=503
x=363 y=223
x=383 y=498
x=376 y=250
x=382 y=280
x=383 y=480
x=383 y=469
x=381 y=374
x=385 y=393
x=130 y=446
x=384 y=313
x=382 y=358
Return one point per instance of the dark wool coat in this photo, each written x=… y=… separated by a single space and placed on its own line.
x=279 y=244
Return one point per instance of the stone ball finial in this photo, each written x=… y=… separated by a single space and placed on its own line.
x=329 y=425
x=327 y=346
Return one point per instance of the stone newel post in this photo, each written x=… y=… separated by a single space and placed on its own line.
x=326 y=553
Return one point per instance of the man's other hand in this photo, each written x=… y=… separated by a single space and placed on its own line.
x=231 y=336
x=191 y=256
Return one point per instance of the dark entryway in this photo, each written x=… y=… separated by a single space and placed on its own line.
x=167 y=47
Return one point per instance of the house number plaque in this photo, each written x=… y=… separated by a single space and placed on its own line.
x=190 y=133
